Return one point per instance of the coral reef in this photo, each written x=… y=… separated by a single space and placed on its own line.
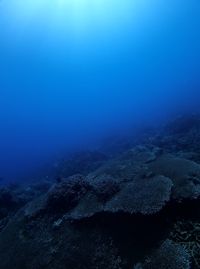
x=104 y=187
x=145 y=196
x=66 y=194
x=187 y=233
x=169 y=256
x=136 y=207
x=185 y=175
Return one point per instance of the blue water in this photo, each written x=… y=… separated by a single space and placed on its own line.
x=73 y=71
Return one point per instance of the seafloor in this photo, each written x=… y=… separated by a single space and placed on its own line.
x=133 y=204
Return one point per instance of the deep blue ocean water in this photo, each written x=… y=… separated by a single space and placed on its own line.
x=73 y=71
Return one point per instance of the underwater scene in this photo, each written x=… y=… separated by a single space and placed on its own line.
x=99 y=134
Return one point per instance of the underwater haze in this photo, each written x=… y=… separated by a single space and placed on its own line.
x=74 y=71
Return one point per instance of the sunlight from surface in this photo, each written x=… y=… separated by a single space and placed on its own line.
x=79 y=15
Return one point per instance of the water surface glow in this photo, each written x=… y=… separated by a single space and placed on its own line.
x=72 y=70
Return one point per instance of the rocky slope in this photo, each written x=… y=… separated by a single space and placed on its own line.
x=137 y=208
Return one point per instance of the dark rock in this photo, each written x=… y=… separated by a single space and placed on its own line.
x=7 y=200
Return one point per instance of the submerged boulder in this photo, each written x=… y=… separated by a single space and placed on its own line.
x=7 y=199
x=9 y=202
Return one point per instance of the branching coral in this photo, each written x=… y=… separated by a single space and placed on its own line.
x=169 y=256
x=187 y=233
